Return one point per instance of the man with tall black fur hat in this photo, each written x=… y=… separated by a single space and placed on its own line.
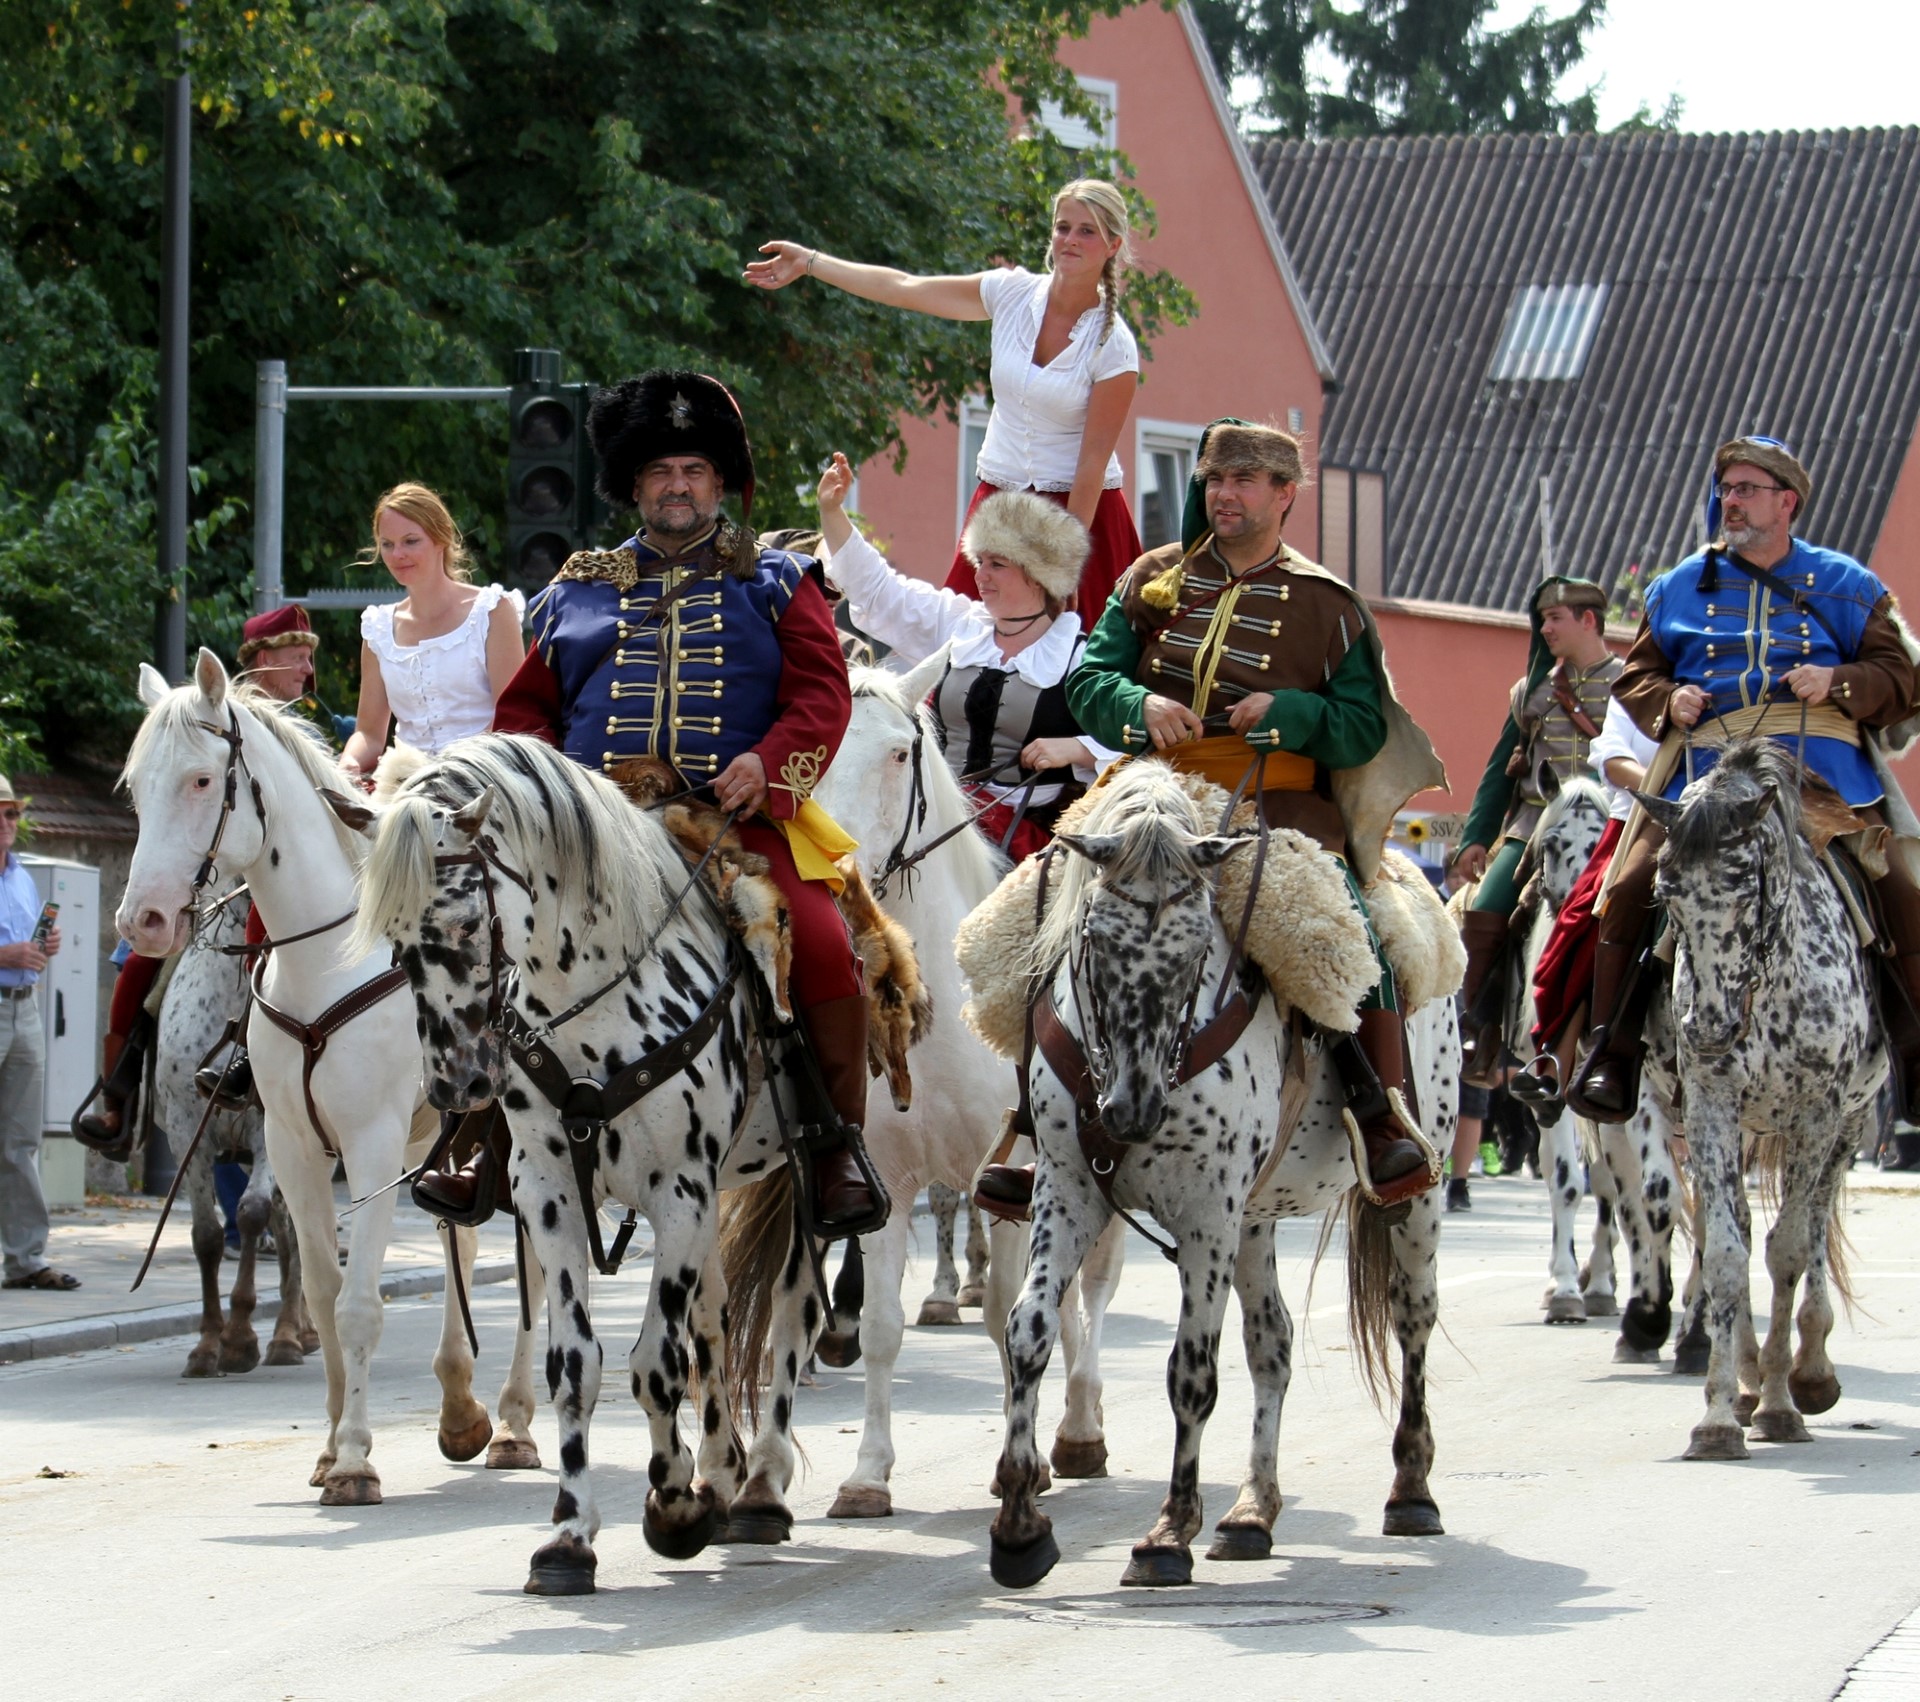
x=691 y=644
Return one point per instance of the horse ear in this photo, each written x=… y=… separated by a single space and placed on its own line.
x=153 y=685
x=210 y=677
x=470 y=818
x=1097 y=848
x=920 y=679
x=1754 y=811
x=1217 y=848
x=1661 y=810
x=356 y=816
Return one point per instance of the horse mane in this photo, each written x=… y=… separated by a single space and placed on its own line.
x=1750 y=768
x=981 y=865
x=604 y=862
x=173 y=720
x=1146 y=805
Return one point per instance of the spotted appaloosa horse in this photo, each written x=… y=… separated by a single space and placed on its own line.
x=1130 y=940
x=506 y=874
x=1635 y=1183
x=1771 y=1029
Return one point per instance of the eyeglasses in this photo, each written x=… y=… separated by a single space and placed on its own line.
x=10 y=815
x=1744 y=492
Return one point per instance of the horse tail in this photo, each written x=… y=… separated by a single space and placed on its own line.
x=1369 y=1290
x=1768 y=1156
x=756 y=1237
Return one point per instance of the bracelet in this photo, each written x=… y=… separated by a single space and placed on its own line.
x=815 y=255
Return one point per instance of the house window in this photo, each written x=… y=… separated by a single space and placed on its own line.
x=1164 y=467
x=973 y=434
x=1549 y=329
x=1080 y=134
x=1353 y=527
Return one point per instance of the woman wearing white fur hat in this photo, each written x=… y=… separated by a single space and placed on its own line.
x=1002 y=699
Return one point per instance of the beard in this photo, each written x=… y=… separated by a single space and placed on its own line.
x=679 y=520
x=1739 y=538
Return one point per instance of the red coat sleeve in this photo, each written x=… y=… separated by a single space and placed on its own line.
x=815 y=702
x=531 y=702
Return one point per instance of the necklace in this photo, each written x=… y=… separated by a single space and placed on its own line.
x=1018 y=623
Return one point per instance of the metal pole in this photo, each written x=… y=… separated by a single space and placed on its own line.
x=1546 y=526
x=170 y=615
x=269 y=482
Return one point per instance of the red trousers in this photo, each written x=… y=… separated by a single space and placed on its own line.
x=824 y=967
x=1564 y=974
x=1116 y=547
x=130 y=989
x=1028 y=837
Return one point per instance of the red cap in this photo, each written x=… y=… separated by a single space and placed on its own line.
x=275 y=630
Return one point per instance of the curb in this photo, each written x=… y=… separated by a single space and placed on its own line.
x=151 y=1323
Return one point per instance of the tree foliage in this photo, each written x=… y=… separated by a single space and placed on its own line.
x=403 y=191
x=1403 y=67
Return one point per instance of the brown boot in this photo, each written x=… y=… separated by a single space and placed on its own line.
x=104 y=1129
x=1392 y=1157
x=1485 y=935
x=1900 y=1012
x=1005 y=1190
x=1606 y=1088
x=844 y=1203
x=469 y=1194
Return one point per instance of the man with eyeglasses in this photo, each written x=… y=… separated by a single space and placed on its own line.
x=1763 y=633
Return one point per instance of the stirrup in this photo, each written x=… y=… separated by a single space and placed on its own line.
x=486 y=1178
x=118 y=1148
x=845 y=1137
x=1401 y=1188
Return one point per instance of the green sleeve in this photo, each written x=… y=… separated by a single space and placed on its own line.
x=1339 y=726
x=1495 y=794
x=1106 y=703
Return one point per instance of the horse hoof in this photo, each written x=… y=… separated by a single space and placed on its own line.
x=563 y=1567
x=203 y=1362
x=1717 y=1442
x=838 y=1349
x=285 y=1352
x=1241 y=1542
x=936 y=1312
x=1645 y=1326
x=466 y=1444
x=1743 y=1407
x=1600 y=1305
x=1412 y=1519
x=321 y=1468
x=1079 y=1459
x=861 y=1501
x=1785 y=1425
x=1023 y=1567
x=676 y=1542
x=1625 y=1353
x=1155 y=1568
x=510 y=1454
x=761 y=1526
x=1690 y=1358
x=1566 y=1309
x=236 y=1360
x=1813 y=1394
x=309 y=1341
x=350 y=1492
x=972 y=1294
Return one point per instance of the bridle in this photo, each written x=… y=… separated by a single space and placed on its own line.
x=229 y=794
x=482 y=856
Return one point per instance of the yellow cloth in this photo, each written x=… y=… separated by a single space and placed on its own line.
x=816 y=840
x=1224 y=759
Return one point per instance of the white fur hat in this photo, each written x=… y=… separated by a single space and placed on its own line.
x=1039 y=536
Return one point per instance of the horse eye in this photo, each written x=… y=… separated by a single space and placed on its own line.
x=900 y=756
x=202 y=782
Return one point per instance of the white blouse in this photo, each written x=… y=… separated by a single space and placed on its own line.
x=438 y=689
x=1040 y=412
x=1619 y=736
x=914 y=619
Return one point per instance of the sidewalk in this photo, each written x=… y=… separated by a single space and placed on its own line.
x=103 y=1243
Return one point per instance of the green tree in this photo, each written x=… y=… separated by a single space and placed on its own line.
x=1404 y=67
x=404 y=191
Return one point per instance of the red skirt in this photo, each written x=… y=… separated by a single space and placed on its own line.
x=1028 y=837
x=1116 y=547
x=1564 y=974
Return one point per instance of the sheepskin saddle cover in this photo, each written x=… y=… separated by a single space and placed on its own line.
x=1304 y=933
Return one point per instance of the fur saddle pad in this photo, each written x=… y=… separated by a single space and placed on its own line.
x=899 y=1008
x=1304 y=933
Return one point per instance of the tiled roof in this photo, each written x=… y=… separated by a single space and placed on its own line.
x=70 y=806
x=1755 y=283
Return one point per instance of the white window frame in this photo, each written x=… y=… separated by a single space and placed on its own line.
x=1548 y=332
x=1075 y=132
x=975 y=410
x=1160 y=435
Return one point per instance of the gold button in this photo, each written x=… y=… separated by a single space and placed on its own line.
x=679 y=655
x=609 y=726
x=1273 y=629
x=1266 y=661
x=677 y=721
x=1284 y=592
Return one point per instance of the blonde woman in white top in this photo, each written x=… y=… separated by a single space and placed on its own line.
x=436 y=660
x=1065 y=367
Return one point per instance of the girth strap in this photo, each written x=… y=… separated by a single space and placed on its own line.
x=313 y=1036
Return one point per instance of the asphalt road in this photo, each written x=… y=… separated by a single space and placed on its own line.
x=179 y=1553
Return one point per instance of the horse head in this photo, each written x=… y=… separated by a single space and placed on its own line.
x=1726 y=877
x=1146 y=933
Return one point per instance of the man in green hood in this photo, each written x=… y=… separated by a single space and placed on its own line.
x=1554 y=714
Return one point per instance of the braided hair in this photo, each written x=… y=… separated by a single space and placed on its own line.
x=1109 y=210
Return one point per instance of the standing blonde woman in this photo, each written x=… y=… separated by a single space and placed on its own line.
x=435 y=660
x=1065 y=367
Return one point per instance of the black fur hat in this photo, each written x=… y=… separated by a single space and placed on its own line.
x=668 y=413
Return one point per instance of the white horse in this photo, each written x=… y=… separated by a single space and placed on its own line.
x=228 y=784
x=1771 y=1028
x=1131 y=945
x=892 y=790
x=562 y=961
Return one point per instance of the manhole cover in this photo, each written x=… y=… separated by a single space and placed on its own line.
x=1158 y=1610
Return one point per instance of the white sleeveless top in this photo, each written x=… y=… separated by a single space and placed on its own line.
x=438 y=688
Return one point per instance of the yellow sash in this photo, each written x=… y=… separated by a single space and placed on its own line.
x=816 y=839
x=1223 y=759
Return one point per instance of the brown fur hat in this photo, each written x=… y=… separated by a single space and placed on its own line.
x=1250 y=449
x=1038 y=536
x=1783 y=464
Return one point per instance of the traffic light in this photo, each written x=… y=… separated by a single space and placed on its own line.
x=551 y=508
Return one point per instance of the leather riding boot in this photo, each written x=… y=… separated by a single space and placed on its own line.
x=105 y=1129
x=1391 y=1155
x=1485 y=935
x=844 y=1203
x=229 y=1087
x=1006 y=1190
x=1606 y=1088
x=1902 y=1018
x=470 y=1193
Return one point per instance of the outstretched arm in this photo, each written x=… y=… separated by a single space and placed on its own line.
x=943 y=298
